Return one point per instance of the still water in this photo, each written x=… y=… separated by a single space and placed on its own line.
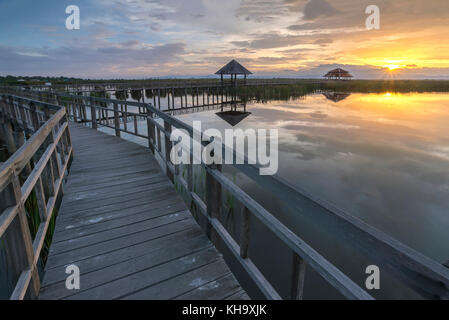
x=383 y=158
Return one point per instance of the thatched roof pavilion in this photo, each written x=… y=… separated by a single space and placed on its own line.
x=233 y=117
x=338 y=74
x=336 y=96
x=234 y=69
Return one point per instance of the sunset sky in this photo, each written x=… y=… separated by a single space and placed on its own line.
x=282 y=38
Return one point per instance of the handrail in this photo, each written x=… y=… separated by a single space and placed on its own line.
x=50 y=134
x=422 y=274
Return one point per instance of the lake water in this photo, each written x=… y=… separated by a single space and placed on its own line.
x=383 y=158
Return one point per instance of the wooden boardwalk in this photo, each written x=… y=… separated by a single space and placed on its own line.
x=132 y=237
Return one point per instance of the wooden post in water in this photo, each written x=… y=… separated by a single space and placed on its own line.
x=244 y=233
x=93 y=114
x=298 y=277
x=116 y=120
x=213 y=202
x=150 y=128
x=168 y=147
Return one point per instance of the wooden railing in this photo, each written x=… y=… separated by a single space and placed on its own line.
x=167 y=84
x=37 y=168
x=425 y=276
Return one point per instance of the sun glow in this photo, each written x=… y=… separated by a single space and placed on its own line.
x=392 y=67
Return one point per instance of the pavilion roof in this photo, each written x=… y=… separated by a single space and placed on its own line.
x=339 y=72
x=233 y=67
x=233 y=117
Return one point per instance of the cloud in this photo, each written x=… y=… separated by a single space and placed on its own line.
x=317 y=8
x=277 y=37
x=112 y=61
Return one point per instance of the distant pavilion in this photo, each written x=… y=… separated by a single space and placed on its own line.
x=338 y=74
x=234 y=69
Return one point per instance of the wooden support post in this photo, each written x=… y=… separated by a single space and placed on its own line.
x=150 y=128
x=213 y=202
x=197 y=97
x=298 y=277
x=34 y=117
x=159 y=98
x=41 y=201
x=167 y=94
x=18 y=243
x=173 y=98
x=93 y=114
x=9 y=138
x=116 y=120
x=168 y=147
x=154 y=98
x=159 y=141
x=185 y=93
x=244 y=233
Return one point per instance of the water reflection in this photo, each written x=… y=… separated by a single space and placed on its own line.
x=381 y=157
x=235 y=115
x=336 y=96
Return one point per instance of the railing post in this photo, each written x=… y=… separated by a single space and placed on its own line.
x=34 y=117
x=244 y=233
x=93 y=114
x=168 y=146
x=18 y=242
x=116 y=120
x=9 y=138
x=213 y=201
x=150 y=128
x=298 y=277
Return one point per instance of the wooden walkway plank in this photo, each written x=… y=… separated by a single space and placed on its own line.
x=131 y=235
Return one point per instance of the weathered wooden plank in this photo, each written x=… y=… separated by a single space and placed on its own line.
x=119 y=222
x=227 y=286
x=119 y=232
x=115 y=244
x=185 y=282
x=240 y=295
x=119 y=270
x=97 y=263
x=120 y=219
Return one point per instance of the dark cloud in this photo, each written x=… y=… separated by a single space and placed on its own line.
x=318 y=8
x=73 y=61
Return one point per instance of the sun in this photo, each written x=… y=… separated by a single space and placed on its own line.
x=392 y=67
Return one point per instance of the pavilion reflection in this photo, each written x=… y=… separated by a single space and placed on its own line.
x=336 y=96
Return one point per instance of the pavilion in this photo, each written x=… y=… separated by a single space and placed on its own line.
x=234 y=69
x=338 y=74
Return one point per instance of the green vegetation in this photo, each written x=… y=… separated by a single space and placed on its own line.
x=35 y=80
x=379 y=86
